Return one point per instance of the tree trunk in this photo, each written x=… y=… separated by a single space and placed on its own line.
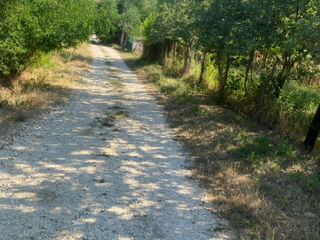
x=124 y=23
x=169 y=48
x=266 y=83
x=225 y=77
x=187 y=60
x=174 y=50
x=249 y=66
x=313 y=132
x=203 y=68
x=219 y=65
x=152 y=52
x=286 y=69
x=163 y=57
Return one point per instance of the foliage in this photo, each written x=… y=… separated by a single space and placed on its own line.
x=110 y=15
x=107 y=20
x=30 y=27
x=269 y=40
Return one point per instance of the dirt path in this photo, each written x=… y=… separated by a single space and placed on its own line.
x=103 y=167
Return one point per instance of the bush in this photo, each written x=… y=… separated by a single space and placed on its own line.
x=107 y=22
x=28 y=28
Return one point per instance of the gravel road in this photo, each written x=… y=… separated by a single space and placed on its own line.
x=104 y=166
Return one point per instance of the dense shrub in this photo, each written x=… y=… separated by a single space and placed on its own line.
x=30 y=27
x=107 y=22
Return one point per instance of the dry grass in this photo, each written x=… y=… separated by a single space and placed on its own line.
x=262 y=183
x=47 y=82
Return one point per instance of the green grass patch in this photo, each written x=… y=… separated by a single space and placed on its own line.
x=297 y=106
x=116 y=83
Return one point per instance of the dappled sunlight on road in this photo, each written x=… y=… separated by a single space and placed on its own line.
x=103 y=167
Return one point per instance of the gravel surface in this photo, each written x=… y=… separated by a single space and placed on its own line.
x=104 y=166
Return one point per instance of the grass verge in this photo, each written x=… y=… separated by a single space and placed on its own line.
x=46 y=82
x=262 y=183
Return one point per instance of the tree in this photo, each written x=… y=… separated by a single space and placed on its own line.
x=176 y=22
x=125 y=22
x=31 y=27
x=221 y=33
x=157 y=30
x=313 y=132
x=107 y=21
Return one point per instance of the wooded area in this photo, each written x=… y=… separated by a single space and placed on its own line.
x=253 y=49
x=260 y=58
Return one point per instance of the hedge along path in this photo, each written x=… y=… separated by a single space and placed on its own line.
x=105 y=166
